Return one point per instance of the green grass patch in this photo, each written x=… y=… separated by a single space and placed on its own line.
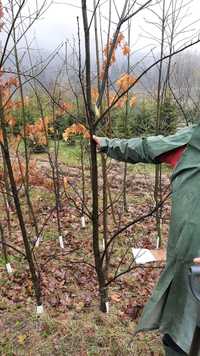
x=69 y=154
x=88 y=333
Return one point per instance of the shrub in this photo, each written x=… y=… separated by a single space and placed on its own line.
x=142 y=119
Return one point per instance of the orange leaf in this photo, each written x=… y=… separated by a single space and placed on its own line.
x=64 y=106
x=94 y=94
x=115 y=297
x=74 y=130
x=125 y=81
x=133 y=101
x=120 y=103
x=12 y=121
x=126 y=50
x=120 y=38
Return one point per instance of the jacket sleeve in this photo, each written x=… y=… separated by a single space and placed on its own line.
x=144 y=149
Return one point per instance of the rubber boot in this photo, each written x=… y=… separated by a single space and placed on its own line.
x=170 y=352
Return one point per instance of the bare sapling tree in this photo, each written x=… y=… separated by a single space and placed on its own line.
x=92 y=122
x=95 y=114
x=158 y=169
x=169 y=22
x=8 y=47
x=125 y=203
x=25 y=174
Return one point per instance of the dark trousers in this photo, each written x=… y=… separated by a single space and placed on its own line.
x=169 y=344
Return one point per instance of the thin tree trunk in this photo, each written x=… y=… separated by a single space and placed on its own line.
x=126 y=123
x=105 y=212
x=25 y=178
x=3 y=241
x=158 y=187
x=83 y=180
x=34 y=276
x=7 y=215
x=94 y=168
x=6 y=181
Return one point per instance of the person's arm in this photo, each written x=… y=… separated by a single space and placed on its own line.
x=146 y=150
x=127 y=150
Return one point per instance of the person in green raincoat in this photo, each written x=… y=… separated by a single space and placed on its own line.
x=172 y=308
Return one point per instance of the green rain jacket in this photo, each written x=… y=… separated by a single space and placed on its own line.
x=172 y=309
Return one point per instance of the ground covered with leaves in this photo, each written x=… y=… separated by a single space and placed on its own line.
x=72 y=323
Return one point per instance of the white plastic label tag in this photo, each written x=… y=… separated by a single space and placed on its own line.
x=39 y=239
x=8 y=268
x=83 y=221
x=39 y=309
x=107 y=307
x=61 y=241
x=158 y=242
x=37 y=242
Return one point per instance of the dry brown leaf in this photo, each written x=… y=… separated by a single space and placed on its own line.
x=115 y=297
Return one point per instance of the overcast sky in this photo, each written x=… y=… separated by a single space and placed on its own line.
x=59 y=22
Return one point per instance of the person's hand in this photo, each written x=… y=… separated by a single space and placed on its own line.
x=96 y=139
x=197 y=260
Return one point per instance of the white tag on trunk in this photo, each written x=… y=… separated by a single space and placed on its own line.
x=37 y=242
x=158 y=242
x=83 y=222
x=61 y=241
x=8 y=268
x=107 y=307
x=103 y=245
x=39 y=239
x=39 y=309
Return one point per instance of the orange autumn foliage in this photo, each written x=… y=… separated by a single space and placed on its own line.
x=37 y=132
x=111 y=98
x=76 y=129
x=94 y=94
x=11 y=120
x=36 y=178
x=119 y=104
x=133 y=101
x=120 y=39
x=8 y=103
x=66 y=106
x=125 y=81
x=106 y=52
x=120 y=42
x=5 y=87
x=14 y=142
x=126 y=50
